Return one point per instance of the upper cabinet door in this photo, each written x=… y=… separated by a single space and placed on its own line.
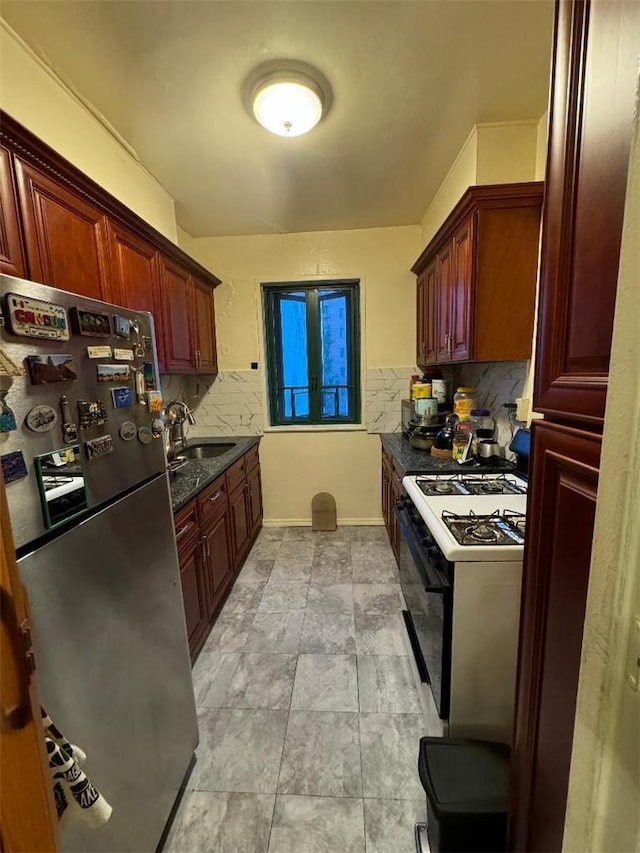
x=136 y=278
x=65 y=237
x=205 y=328
x=594 y=78
x=11 y=254
x=460 y=294
x=430 y=317
x=177 y=290
x=443 y=277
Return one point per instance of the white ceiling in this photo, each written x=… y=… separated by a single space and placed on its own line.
x=409 y=79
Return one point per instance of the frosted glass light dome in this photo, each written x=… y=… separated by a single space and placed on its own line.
x=288 y=104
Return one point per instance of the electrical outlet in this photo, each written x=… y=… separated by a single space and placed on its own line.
x=522 y=409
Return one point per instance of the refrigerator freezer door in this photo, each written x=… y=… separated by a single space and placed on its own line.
x=113 y=662
x=108 y=380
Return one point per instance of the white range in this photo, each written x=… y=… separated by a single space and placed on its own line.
x=461 y=568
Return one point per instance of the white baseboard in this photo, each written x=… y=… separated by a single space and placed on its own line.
x=306 y=522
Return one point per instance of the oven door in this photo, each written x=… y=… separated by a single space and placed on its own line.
x=425 y=577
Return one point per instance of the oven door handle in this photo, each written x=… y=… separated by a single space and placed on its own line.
x=434 y=581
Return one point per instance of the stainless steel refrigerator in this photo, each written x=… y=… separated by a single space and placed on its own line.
x=83 y=458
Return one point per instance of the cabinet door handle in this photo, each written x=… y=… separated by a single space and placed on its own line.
x=180 y=533
x=216 y=496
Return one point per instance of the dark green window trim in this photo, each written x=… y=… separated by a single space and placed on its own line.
x=283 y=413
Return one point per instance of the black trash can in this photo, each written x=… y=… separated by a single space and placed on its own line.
x=467 y=784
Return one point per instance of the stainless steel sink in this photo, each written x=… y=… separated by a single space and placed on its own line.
x=206 y=451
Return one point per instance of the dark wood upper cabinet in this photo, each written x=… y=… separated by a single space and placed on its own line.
x=591 y=114
x=481 y=268
x=460 y=294
x=11 y=252
x=135 y=278
x=442 y=301
x=204 y=327
x=59 y=227
x=65 y=236
x=177 y=296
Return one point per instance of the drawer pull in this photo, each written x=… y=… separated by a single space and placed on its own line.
x=180 y=533
x=215 y=497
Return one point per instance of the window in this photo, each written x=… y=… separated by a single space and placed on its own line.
x=313 y=352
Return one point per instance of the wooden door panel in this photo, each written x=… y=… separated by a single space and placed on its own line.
x=444 y=273
x=461 y=294
x=595 y=75
x=28 y=817
x=136 y=278
x=205 y=328
x=65 y=237
x=561 y=510
x=12 y=260
x=177 y=303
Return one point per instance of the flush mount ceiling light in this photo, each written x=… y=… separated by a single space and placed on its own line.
x=288 y=103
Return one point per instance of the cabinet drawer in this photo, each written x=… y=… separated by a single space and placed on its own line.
x=212 y=500
x=186 y=525
x=251 y=458
x=235 y=475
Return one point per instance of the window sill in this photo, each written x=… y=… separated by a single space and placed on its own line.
x=317 y=428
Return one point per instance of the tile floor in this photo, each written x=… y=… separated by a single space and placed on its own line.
x=309 y=716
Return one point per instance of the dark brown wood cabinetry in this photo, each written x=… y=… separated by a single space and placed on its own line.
x=245 y=502
x=593 y=86
x=60 y=228
x=392 y=491
x=65 y=236
x=477 y=278
x=204 y=328
x=11 y=251
x=214 y=532
x=135 y=279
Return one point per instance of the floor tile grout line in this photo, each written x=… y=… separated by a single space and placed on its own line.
x=284 y=743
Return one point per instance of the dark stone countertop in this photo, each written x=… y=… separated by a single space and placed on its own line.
x=186 y=482
x=412 y=461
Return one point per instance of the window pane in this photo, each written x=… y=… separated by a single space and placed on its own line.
x=334 y=353
x=294 y=367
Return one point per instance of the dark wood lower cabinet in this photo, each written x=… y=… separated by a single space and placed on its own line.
x=216 y=540
x=562 y=505
x=392 y=491
x=214 y=533
x=194 y=593
x=238 y=513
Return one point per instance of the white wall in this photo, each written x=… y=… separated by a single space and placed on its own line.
x=32 y=94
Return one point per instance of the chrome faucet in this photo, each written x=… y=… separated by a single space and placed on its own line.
x=176 y=414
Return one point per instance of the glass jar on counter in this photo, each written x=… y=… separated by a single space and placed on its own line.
x=483 y=424
x=464 y=402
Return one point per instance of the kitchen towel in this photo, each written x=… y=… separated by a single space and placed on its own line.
x=74 y=794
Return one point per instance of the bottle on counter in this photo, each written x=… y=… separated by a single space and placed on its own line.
x=483 y=424
x=464 y=402
x=463 y=440
x=438 y=386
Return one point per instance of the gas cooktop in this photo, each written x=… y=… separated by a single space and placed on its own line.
x=504 y=527
x=471 y=484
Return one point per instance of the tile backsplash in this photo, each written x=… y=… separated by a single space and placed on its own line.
x=497 y=383
x=385 y=388
x=231 y=405
x=232 y=402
